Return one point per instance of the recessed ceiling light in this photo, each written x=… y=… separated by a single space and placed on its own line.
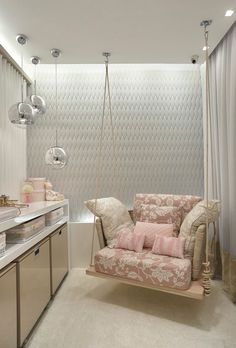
x=229 y=13
x=205 y=48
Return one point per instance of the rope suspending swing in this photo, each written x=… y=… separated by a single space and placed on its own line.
x=106 y=94
x=206 y=282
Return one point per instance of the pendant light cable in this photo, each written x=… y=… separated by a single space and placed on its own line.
x=35 y=79
x=56 y=118
x=22 y=79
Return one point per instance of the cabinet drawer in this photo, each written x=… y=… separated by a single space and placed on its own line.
x=59 y=256
x=33 y=287
x=8 y=334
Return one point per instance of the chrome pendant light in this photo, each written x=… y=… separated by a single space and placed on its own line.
x=56 y=156
x=22 y=113
x=35 y=100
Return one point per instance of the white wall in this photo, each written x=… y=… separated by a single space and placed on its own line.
x=12 y=137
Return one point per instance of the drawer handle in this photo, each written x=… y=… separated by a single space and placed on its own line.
x=60 y=232
x=36 y=252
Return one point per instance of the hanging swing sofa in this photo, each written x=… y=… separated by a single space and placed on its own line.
x=181 y=276
x=155 y=270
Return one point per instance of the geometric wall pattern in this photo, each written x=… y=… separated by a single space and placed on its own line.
x=157 y=111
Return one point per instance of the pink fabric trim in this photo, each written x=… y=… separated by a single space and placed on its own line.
x=130 y=240
x=151 y=230
x=169 y=246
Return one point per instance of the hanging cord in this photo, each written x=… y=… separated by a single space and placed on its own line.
x=35 y=83
x=98 y=169
x=22 y=79
x=206 y=273
x=56 y=118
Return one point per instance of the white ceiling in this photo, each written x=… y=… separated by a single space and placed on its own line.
x=135 y=31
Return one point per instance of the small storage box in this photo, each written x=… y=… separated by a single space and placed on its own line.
x=23 y=232
x=2 y=244
x=7 y=213
x=54 y=216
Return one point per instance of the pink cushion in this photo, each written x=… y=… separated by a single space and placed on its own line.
x=130 y=240
x=169 y=246
x=151 y=230
x=162 y=215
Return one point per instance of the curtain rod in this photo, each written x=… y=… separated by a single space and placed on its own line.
x=13 y=63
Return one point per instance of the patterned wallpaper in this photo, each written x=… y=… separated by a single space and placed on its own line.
x=157 y=112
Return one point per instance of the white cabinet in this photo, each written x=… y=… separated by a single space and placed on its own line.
x=8 y=331
x=59 y=257
x=33 y=287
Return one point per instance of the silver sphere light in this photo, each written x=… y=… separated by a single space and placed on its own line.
x=56 y=157
x=21 y=113
x=37 y=102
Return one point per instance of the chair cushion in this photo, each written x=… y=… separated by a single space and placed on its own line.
x=162 y=215
x=195 y=218
x=186 y=202
x=114 y=216
x=152 y=230
x=145 y=267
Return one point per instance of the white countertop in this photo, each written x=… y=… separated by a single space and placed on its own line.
x=34 y=210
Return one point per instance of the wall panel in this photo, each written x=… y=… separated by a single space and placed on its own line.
x=157 y=113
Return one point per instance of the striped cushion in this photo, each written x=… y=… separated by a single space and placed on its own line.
x=169 y=246
x=130 y=240
x=151 y=230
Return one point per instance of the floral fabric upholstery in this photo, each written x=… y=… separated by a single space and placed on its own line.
x=162 y=215
x=145 y=267
x=186 y=202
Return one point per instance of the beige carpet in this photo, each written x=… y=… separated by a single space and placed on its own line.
x=95 y=313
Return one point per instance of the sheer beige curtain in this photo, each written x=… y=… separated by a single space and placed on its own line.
x=12 y=137
x=222 y=151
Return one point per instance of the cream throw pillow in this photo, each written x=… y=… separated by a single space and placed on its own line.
x=114 y=215
x=195 y=218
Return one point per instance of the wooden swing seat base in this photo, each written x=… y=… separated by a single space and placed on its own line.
x=195 y=291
